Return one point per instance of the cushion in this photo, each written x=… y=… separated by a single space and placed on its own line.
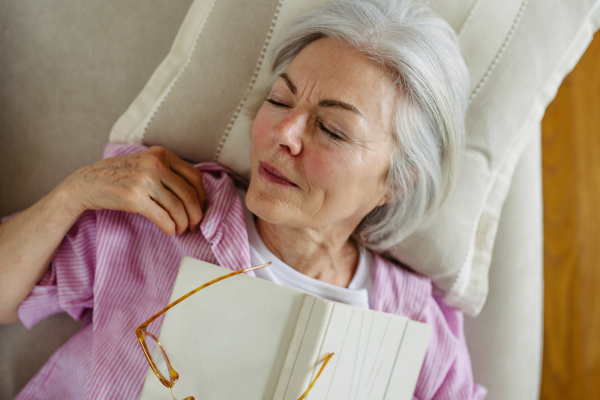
x=517 y=52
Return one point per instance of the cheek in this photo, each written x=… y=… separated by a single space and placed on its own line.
x=352 y=175
x=328 y=169
x=260 y=128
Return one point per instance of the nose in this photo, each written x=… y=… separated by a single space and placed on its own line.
x=289 y=133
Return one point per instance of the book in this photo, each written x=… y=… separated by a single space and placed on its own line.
x=248 y=338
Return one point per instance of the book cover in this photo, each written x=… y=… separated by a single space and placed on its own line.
x=248 y=338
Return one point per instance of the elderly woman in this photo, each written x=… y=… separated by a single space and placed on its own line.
x=358 y=140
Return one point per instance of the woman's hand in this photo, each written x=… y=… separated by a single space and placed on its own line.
x=154 y=183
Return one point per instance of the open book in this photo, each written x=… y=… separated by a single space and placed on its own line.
x=249 y=338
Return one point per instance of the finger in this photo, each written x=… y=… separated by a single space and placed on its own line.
x=188 y=172
x=172 y=205
x=186 y=194
x=158 y=216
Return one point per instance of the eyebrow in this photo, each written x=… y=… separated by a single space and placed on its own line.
x=340 y=104
x=288 y=82
x=323 y=103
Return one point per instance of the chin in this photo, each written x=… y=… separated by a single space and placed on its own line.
x=267 y=207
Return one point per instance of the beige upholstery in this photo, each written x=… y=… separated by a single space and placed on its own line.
x=505 y=340
x=23 y=352
x=68 y=69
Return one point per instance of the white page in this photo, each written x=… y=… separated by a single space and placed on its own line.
x=345 y=373
x=411 y=352
x=332 y=343
x=228 y=341
x=364 y=339
x=308 y=354
x=294 y=348
x=354 y=364
x=384 y=361
x=342 y=339
x=378 y=326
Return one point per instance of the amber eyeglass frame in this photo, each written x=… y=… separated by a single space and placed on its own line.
x=141 y=333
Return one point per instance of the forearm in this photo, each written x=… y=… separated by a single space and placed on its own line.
x=153 y=183
x=27 y=245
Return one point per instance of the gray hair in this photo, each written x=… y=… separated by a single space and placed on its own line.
x=421 y=52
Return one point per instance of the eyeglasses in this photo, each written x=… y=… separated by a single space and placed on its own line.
x=151 y=346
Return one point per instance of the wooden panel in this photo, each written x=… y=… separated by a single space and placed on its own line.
x=571 y=179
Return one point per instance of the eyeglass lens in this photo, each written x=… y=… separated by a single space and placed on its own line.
x=158 y=356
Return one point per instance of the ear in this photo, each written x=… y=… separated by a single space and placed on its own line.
x=388 y=197
x=394 y=193
x=383 y=201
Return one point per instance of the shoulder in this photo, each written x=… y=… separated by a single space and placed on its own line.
x=446 y=371
x=216 y=177
x=396 y=290
x=223 y=207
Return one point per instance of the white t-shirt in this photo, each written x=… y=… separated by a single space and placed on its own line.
x=356 y=294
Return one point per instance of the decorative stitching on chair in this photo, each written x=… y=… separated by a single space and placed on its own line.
x=240 y=106
x=500 y=52
x=468 y=19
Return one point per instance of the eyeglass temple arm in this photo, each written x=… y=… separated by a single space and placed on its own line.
x=179 y=300
x=325 y=360
x=187 y=398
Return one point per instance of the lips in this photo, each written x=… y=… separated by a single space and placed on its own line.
x=271 y=173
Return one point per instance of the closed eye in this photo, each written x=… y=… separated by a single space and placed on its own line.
x=319 y=123
x=328 y=132
x=276 y=104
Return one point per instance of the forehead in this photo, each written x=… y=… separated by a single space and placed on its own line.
x=334 y=70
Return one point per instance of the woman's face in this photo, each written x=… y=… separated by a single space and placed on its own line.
x=321 y=143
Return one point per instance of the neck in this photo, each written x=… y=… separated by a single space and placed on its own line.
x=324 y=254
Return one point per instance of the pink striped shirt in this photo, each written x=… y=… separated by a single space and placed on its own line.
x=116 y=269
